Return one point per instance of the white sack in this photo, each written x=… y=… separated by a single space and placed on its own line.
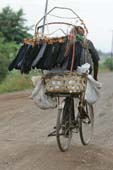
x=35 y=79
x=40 y=98
x=92 y=90
x=83 y=68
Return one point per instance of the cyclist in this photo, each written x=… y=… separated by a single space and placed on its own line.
x=89 y=53
x=93 y=54
x=92 y=50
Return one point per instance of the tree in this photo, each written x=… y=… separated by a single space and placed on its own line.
x=12 y=25
x=12 y=33
x=7 y=53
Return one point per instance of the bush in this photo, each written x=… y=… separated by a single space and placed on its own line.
x=109 y=63
x=4 y=61
x=15 y=82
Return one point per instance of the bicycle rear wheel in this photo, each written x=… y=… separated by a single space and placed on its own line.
x=86 y=124
x=63 y=130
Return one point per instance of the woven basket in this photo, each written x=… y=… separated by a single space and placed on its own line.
x=65 y=83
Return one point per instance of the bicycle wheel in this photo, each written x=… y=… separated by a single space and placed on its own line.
x=63 y=131
x=86 y=124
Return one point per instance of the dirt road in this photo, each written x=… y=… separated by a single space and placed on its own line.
x=24 y=144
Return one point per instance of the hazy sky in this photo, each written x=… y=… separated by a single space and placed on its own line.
x=97 y=15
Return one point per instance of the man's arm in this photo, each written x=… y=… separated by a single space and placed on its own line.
x=96 y=67
x=95 y=58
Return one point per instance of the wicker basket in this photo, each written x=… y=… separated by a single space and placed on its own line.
x=65 y=83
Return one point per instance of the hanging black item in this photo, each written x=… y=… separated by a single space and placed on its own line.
x=47 y=53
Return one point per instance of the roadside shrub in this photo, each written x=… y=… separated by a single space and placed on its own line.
x=4 y=61
x=109 y=63
x=14 y=81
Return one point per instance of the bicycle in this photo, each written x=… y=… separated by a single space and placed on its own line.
x=72 y=84
x=67 y=122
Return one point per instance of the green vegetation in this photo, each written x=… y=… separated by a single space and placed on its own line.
x=3 y=66
x=15 y=82
x=12 y=33
x=12 y=25
x=103 y=68
x=109 y=63
x=7 y=53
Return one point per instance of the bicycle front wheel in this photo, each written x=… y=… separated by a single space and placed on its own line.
x=63 y=130
x=86 y=124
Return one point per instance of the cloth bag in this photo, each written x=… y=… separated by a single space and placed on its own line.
x=39 y=97
x=92 y=90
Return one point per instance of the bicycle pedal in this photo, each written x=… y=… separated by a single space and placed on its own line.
x=52 y=133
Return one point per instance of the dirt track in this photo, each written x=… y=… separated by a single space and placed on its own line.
x=24 y=144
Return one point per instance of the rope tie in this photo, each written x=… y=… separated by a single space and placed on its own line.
x=73 y=58
x=73 y=52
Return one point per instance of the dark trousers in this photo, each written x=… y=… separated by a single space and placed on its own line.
x=68 y=109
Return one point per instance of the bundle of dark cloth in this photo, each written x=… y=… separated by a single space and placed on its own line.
x=46 y=57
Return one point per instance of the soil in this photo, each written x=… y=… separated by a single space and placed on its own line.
x=24 y=129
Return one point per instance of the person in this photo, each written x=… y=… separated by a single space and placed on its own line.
x=88 y=52
x=93 y=55
x=88 y=44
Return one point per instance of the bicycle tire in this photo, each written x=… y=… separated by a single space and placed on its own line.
x=63 y=139
x=86 y=125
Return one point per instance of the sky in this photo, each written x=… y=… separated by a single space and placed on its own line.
x=97 y=15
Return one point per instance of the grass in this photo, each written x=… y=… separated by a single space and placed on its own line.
x=15 y=82
x=103 y=68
